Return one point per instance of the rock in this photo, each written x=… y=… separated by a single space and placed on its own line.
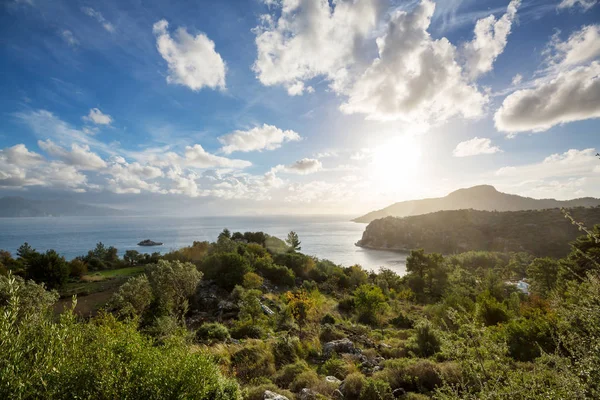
x=273 y=396
x=384 y=346
x=377 y=368
x=378 y=360
x=342 y=346
x=337 y=395
x=149 y=242
x=307 y=394
x=333 y=379
x=399 y=393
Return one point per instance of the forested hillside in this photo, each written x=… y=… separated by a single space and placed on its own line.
x=483 y=197
x=541 y=233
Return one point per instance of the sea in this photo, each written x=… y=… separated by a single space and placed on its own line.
x=328 y=237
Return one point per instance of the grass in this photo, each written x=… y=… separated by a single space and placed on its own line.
x=112 y=273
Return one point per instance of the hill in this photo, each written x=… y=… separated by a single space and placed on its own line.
x=11 y=207
x=483 y=197
x=539 y=232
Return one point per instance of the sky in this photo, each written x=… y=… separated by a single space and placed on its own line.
x=296 y=106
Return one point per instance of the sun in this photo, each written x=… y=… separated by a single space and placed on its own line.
x=395 y=165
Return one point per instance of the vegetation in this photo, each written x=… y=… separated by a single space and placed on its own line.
x=239 y=317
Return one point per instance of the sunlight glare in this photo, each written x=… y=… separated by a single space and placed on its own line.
x=395 y=165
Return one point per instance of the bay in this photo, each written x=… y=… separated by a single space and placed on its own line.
x=329 y=237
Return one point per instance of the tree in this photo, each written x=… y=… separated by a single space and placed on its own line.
x=25 y=251
x=301 y=305
x=77 y=268
x=132 y=257
x=293 y=241
x=226 y=269
x=173 y=282
x=252 y=281
x=226 y=234
x=543 y=273
x=49 y=268
x=250 y=307
x=370 y=303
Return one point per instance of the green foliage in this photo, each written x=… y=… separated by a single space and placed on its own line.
x=300 y=264
x=285 y=350
x=49 y=268
x=252 y=281
x=226 y=269
x=173 y=282
x=257 y=392
x=306 y=379
x=330 y=332
x=212 y=332
x=277 y=274
x=426 y=341
x=528 y=337
x=286 y=375
x=427 y=275
x=370 y=303
x=293 y=241
x=335 y=366
x=353 y=385
x=133 y=298
x=104 y=358
x=132 y=257
x=247 y=331
x=253 y=361
x=374 y=389
x=490 y=311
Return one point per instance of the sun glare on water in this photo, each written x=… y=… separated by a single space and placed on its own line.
x=395 y=165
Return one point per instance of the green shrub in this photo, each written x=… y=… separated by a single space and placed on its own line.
x=285 y=350
x=527 y=338
x=352 y=386
x=252 y=362
x=335 y=367
x=286 y=375
x=346 y=304
x=247 y=331
x=329 y=333
x=173 y=283
x=226 y=269
x=133 y=297
x=374 y=389
x=402 y=321
x=49 y=268
x=306 y=379
x=77 y=268
x=417 y=375
x=257 y=392
x=490 y=311
x=212 y=332
x=44 y=358
x=426 y=341
x=328 y=319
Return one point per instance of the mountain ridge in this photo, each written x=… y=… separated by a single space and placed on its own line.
x=481 y=197
x=20 y=207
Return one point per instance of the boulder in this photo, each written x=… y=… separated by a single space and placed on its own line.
x=398 y=393
x=341 y=346
x=333 y=379
x=273 y=396
x=307 y=394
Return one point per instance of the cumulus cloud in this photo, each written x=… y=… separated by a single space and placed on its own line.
x=491 y=37
x=197 y=157
x=98 y=17
x=311 y=38
x=474 y=147
x=571 y=96
x=584 y=4
x=97 y=117
x=266 y=137
x=304 y=166
x=570 y=164
x=79 y=156
x=581 y=47
x=192 y=60
x=415 y=78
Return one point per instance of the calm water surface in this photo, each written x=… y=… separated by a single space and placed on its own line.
x=332 y=238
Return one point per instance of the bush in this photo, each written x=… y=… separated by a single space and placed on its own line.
x=212 y=332
x=257 y=392
x=252 y=281
x=374 y=389
x=277 y=274
x=335 y=367
x=226 y=269
x=285 y=350
x=252 y=362
x=402 y=321
x=49 y=268
x=286 y=375
x=426 y=342
x=490 y=311
x=527 y=338
x=329 y=333
x=77 y=268
x=101 y=359
x=352 y=386
x=414 y=375
x=173 y=283
x=133 y=297
x=328 y=319
x=247 y=331
x=306 y=379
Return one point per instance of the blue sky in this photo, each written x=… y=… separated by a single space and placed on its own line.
x=297 y=106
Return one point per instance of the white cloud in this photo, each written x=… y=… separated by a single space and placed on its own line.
x=69 y=38
x=304 y=166
x=572 y=163
x=474 y=147
x=491 y=36
x=197 y=157
x=98 y=117
x=192 y=60
x=79 y=156
x=582 y=46
x=266 y=137
x=132 y=178
x=98 y=17
x=571 y=96
x=415 y=78
x=517 y=79
x=584 y=4
x=311 y=38
x=19 y=155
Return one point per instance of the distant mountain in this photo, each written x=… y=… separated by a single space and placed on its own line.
x=539 y=232
x=11 y=207
x=483 y=197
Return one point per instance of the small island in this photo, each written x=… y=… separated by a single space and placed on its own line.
x=149 y=242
